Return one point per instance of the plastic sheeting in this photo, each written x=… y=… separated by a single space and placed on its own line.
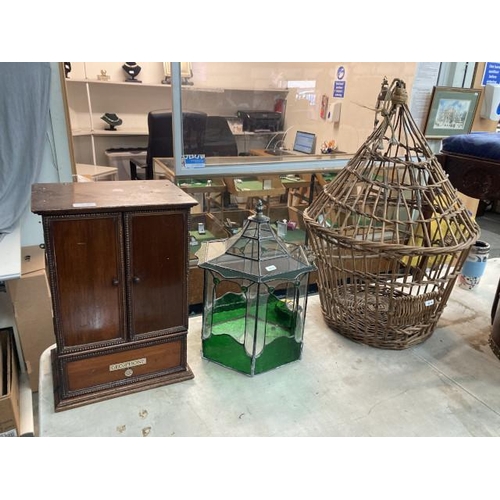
x=24 y=119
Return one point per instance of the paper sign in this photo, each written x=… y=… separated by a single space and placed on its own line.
x=193 y=161
x=85 y=204
x=491 y=74
x=339 y=89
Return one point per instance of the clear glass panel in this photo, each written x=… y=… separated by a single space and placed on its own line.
x=300 y=296
x=281 y=319
x=252 y=320
x=210 y=279
x=248 y=107
x=258 y=242
x=224 y=343
x=262 y=114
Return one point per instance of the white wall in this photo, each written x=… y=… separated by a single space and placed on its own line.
x=56 y=166
x=362 y=86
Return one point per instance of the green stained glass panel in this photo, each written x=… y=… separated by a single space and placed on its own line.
x=225 y=345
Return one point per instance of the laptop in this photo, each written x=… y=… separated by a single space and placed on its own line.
x=304 y=144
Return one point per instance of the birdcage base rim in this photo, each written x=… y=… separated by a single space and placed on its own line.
x=394 y=344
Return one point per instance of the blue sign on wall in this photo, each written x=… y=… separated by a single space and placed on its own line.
x=491 y=73
x=338 y=89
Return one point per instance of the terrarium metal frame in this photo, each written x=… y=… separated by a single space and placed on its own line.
x=255 y=298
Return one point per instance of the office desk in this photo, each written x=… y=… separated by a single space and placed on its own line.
x=262 y=152
x=210 y=189
x=325 y=177
x=97 y=173
x=303 y=192
x=224 y=166
x=259 y=152
x=299 y=181
x=297 y=188
x=251 y=188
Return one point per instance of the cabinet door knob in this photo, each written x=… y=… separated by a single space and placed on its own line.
x=115 y=282
x=136 y=279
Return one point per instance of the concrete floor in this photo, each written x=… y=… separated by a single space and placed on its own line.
x=447 y=386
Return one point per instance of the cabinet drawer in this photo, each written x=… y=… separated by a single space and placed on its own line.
x=125 y=366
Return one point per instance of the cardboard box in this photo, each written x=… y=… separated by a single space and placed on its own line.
x=471 y=204
x=9 y=386
x=30 y=296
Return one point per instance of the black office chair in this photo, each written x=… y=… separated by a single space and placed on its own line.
x=219 y=140
x=161 y=144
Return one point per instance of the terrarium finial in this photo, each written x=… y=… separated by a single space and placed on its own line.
x=259 y=209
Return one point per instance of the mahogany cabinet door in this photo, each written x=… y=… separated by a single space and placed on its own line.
x=87 y=272
x=157 y=245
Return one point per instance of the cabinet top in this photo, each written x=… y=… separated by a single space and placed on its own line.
x=105 y=196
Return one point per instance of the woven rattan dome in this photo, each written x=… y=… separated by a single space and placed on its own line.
x=390 y=235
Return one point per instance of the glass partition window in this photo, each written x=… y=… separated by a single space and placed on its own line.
x=277 y=116
x=245 y=117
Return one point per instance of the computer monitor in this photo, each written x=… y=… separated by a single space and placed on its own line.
x=305 y=142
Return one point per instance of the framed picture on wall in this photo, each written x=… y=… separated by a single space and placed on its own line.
x=451 y=112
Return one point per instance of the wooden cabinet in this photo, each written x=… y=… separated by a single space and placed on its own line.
x=117 y=255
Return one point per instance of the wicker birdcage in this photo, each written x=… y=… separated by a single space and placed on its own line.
x=389 y=233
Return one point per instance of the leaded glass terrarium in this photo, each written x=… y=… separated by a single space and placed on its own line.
x=255 y=298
